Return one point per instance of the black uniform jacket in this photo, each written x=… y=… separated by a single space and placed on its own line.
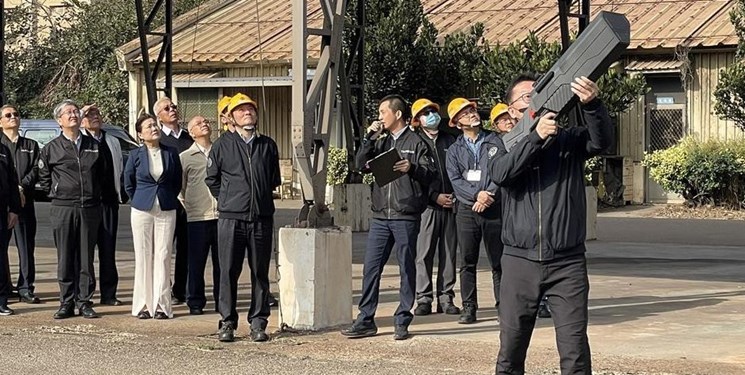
x=25 y=158
x=242 y=176
x=10 y=197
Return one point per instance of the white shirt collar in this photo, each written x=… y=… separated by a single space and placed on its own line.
x=168 y=131
x=398 y=133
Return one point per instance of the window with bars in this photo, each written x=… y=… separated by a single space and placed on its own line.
x=665 y=128
x=199 y=102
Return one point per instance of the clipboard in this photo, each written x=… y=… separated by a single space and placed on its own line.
x=382 y=167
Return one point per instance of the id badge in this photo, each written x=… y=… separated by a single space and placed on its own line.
x=473 y=175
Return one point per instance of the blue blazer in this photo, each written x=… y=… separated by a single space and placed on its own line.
x=142 y=188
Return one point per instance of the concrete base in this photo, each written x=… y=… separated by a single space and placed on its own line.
x=351 y=206
x=315 y=277
x=591 y=195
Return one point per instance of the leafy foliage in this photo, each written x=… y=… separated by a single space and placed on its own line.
x=708 y=173
x=72 y=56
x=730 y=91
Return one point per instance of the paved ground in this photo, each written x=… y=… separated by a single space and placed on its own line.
x=668 y=296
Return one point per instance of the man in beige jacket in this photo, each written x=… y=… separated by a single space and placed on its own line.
x=201 y=213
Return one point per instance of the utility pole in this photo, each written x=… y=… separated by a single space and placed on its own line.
x=165 y=56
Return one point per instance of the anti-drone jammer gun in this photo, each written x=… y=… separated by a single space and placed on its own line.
x=601 y=44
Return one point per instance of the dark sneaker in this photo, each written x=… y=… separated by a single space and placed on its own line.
x=5 y=310
x=543 y=310
x=226 y=332
x=401 y=332
x=360 y=329
x=448 y=308
x=28 y=297
x=259 y=335
x=423 y=309
x=468 y=315
x=86 y=311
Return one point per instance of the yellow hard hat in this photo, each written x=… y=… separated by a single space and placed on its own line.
x=456 y=105
x=240 y=99
x=418 y=106
x=497 y=111
x=222 y=105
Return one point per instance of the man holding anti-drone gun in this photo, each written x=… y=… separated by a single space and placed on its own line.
x=541 y=172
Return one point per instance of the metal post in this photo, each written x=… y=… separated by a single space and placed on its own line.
x=2 y=53
x=143 y=31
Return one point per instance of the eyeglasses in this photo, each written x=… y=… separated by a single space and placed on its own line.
x=466 y=112
x=92 y=112
x=170 y=107
x=427 y=111
x=71 y=113
x=526 y=98
x=12 y=115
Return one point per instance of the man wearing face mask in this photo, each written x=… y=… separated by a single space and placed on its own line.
x=242 y=172
x=437 y=233
x=478 y=213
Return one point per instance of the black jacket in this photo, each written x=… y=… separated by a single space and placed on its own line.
x=461 y=160
x=181 y=144
x=25 y=159
x=405 y=198
x=543 y=196
x=76 y=178
x=242 y=177
x=438 y=149
x=10 y=197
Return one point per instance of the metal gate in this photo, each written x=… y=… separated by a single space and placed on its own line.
x=665 y=127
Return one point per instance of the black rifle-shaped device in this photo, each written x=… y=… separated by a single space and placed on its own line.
x=601 y=44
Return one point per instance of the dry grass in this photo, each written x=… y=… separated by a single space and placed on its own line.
x=681 y=211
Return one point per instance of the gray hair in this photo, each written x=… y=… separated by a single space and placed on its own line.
x=66 y=102
x=158 y=102
x=8 y=106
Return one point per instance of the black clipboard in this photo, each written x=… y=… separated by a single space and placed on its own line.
x=382 y=167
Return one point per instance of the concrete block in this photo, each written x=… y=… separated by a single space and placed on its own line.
x=351 y=206
x=591 y=196
x=315 y=277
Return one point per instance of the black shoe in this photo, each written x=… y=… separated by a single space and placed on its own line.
x=360 y=329
x=401 y=332
x=111 y=302
x=543 y=310
x=5 y=310
x=448 y=308
x=226 y=332
x=144 y=314
x=64 y=312
x=28 y=297
x=160 y=315
x=178 y=300
x=272 y=300
x=195 y=311
x=86 y=311
x=423 y=309
x=468 y=315
x=258 y=335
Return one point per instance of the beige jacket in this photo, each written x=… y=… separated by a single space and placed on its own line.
x=199 y=203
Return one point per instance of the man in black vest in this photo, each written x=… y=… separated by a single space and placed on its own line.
x=25 y=154
x=175 y=137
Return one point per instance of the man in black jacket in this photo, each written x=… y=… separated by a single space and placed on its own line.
x=437 y=229
x=10 y=207
x=242 y=172
x=478 y=216
x=176 y=137
x=25 y=153
x=75 y=173
x=397 y=208
x=544 y=254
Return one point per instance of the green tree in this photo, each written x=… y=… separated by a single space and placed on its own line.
x=730 y=91
x=76 y=60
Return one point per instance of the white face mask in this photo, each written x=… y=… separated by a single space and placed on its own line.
x=430 y=121
x=249 y=128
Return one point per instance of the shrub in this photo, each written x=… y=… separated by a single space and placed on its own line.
x=704 y=173
x=337 y=169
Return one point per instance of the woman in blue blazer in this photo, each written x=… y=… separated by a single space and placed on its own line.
x=152 y=179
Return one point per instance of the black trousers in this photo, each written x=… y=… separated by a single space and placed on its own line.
x=437 y=235
x=25 y=238
x=181 y=271
x=4 y=263
x=472 y=228
x=238 y=240
x=384 y=237
x=202 y=242
x=564 y=282
x=108 y=276
x=75 y=233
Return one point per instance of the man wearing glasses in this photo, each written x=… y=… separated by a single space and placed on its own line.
x=25 y=156
x=108 y=276
x=201 y=214
x=10 y=207
x=478 y=215
x=76 y=175
x=175 y=137
x=544 y=239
